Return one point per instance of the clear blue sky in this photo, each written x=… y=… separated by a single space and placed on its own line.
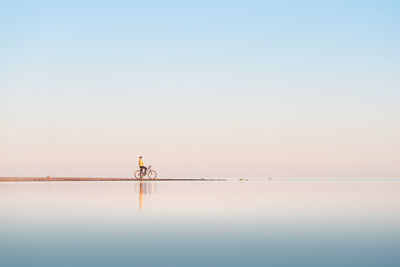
x=205 y=88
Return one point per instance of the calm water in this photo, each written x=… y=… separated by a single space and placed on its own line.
x=283 y=222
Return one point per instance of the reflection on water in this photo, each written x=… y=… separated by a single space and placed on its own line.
x=144 y=188
x=249 y=223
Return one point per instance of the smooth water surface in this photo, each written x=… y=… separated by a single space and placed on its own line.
x=278 y=222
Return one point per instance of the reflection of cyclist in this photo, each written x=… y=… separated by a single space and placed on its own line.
x=143 y=169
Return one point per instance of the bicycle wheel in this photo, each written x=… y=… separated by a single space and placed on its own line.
x=152 y=174
x=137 y=174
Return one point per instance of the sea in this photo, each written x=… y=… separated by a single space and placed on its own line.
x=235 y=222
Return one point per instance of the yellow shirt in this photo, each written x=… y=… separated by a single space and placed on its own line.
x=141 y=162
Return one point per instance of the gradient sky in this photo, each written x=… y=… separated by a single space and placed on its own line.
x=200 y=88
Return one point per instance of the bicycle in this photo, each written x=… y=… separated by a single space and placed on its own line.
x=152 y=174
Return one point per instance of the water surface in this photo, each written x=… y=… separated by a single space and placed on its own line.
x=279 y=222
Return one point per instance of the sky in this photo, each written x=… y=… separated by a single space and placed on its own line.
x=200 y=88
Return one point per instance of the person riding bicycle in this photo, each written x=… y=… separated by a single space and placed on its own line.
x=141 y=165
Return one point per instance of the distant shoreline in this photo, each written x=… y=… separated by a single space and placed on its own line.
x=95 y=179
x=122 y=179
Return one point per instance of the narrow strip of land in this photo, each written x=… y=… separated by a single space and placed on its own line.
x=94 y=179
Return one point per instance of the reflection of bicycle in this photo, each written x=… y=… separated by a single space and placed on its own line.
x=152 y=174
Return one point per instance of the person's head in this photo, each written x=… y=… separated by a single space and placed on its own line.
x=140 y=157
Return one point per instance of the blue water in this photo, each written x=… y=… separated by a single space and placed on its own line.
x=275 y=223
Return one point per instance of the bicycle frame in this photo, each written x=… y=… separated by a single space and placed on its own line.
x=149 y=171
x=146 y=171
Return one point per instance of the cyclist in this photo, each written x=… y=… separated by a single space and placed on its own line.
x=141 y=166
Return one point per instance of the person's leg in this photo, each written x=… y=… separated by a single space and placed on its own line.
x=143 y=170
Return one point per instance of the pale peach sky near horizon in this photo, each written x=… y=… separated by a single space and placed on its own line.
x=108 y=143
x=200 y=133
